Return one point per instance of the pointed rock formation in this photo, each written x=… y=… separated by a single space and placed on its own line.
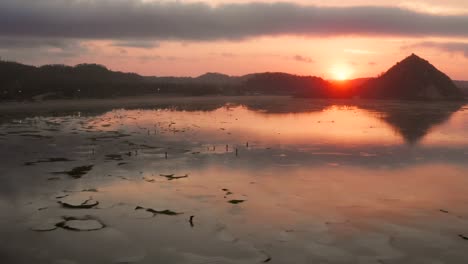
x=412 y=78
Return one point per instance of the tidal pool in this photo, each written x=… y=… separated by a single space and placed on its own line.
x=235 y=180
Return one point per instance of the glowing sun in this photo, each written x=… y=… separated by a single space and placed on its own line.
x=341 y=72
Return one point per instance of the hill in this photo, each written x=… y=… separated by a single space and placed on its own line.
x=463 y=86
x=278 y=83
x=210 y=78
x=23 y=82
x=411 y=78
x=19 y=82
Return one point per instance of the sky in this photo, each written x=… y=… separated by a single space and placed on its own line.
x=332 y=39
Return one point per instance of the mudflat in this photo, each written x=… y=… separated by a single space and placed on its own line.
x=233 y=180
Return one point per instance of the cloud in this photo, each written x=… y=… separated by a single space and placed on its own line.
x=434 y=9
x=141 y=44
x=51 y=47
x=31 y=43
x=360 y=51
x=147 y=58
x=41 y=50
x=451 y=47
x=177 y=20
x=303 y=59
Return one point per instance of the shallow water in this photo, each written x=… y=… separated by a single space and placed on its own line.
x=281 y=181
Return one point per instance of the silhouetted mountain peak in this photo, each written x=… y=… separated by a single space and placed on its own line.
x=414 y=57
x=213 y=75
x=412 y=78
x=414 y=62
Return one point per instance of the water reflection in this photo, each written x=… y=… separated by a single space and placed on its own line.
x=321 y=182
x=412 y=120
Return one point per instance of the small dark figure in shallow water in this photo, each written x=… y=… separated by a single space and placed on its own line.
x=191 y=220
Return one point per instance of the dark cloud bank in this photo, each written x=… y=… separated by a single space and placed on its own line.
x=452 y=47
x=127 y=19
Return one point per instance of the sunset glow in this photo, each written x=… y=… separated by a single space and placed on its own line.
x=341 y=73
x=365 y=45
x=233 y=131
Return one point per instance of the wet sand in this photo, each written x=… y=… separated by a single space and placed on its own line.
x=234 y=180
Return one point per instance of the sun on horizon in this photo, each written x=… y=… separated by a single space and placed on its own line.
x=341 y=72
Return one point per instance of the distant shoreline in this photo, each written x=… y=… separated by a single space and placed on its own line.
x=126 y=102
x=137 y=102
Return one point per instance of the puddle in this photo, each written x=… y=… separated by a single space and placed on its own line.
x=81 y=224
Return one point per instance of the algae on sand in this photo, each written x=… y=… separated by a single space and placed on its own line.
x=77 y=172
x=156 y=212
x=72 y=223
x=86 y=223
x=236 y=201
x=47 y=161
x=87 y=204
x=171 y=177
